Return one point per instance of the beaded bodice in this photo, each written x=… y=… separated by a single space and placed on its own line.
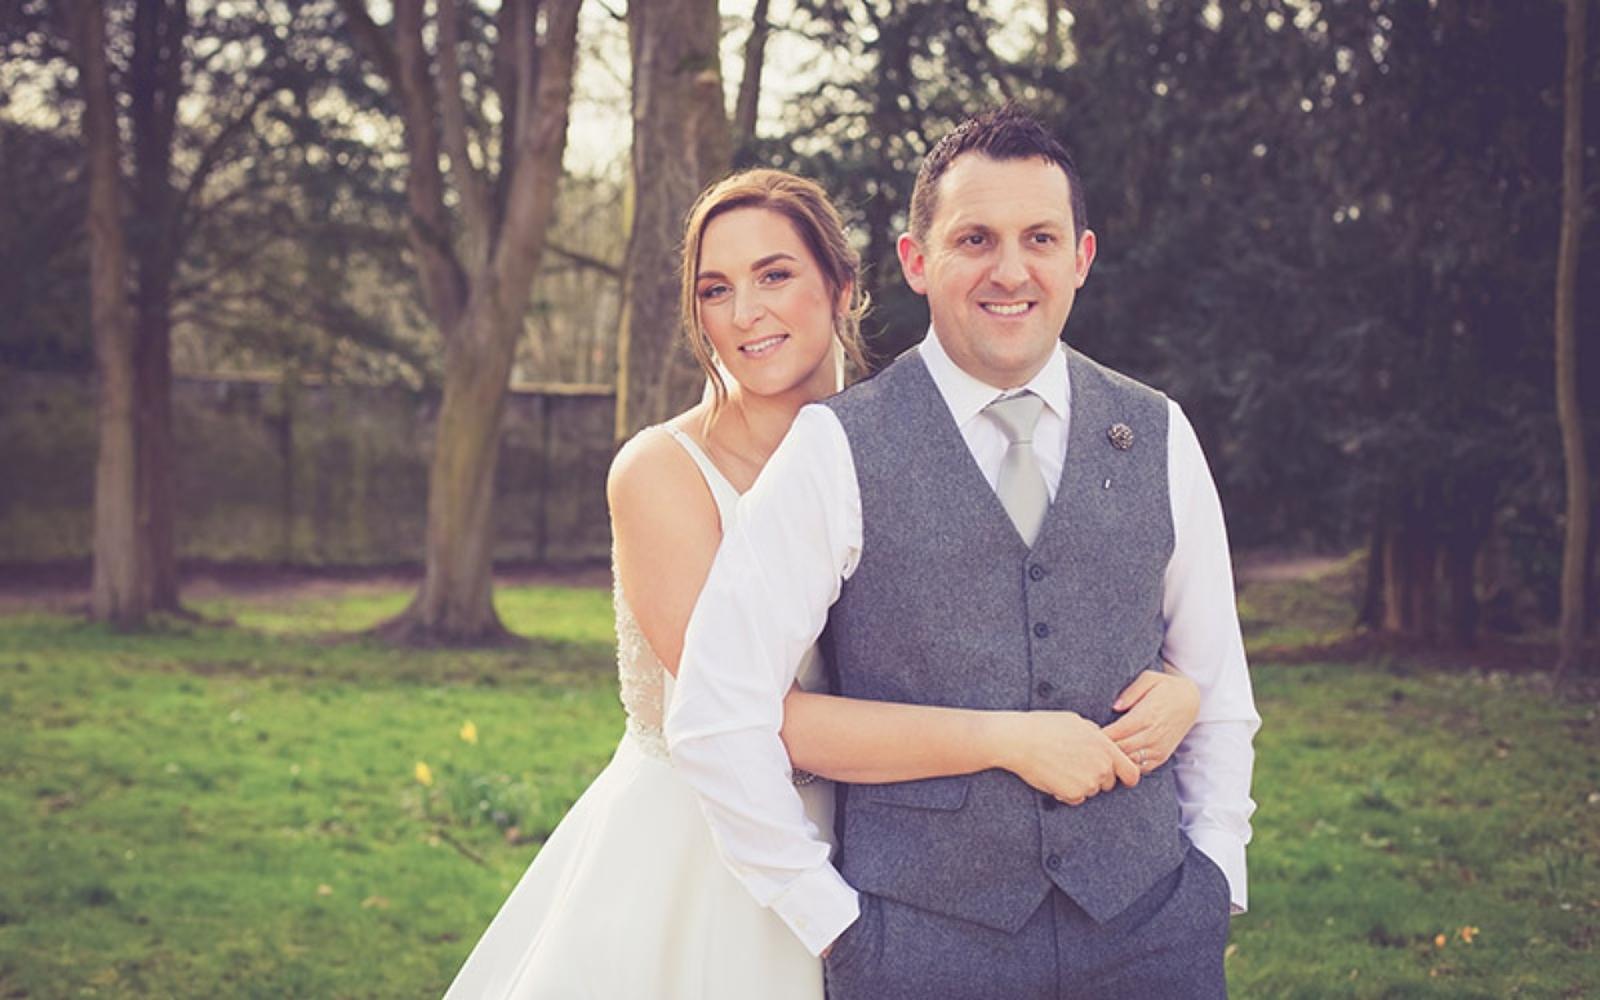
x=644 y=682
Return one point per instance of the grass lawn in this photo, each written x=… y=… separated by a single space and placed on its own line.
x=239 y=812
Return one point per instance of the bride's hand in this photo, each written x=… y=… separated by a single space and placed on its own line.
x=1160 y=706
x=1061 y=754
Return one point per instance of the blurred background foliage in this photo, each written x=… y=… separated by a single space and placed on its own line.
x=1328 y=228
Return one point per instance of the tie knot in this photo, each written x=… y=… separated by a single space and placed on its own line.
x=1017 y=415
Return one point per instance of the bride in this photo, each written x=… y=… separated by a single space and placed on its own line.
x=628 y=897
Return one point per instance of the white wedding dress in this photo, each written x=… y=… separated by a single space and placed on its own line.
x=628 y=900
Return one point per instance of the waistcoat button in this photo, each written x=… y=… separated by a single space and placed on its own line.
x=1036 y=572
x=1045 y=689
x=1042 y=630
x=1053 y=862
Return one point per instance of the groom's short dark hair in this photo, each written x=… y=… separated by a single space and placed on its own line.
x=1005 y=133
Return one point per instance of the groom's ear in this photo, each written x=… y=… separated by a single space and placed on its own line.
x=913 y=263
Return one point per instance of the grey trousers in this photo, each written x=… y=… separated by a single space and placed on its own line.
x=1168 y=944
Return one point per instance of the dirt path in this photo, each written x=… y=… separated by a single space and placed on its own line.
x=1282 y=567
x=66 y=588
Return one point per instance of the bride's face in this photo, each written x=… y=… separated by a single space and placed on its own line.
x=765 y=305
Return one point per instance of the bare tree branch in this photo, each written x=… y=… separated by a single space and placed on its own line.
x=541 y=139
x=453 y=111
x=444 y=282
x=525 y=66
x=211 y=158
x=370 y=39
x=1052 y=32
x=755 y=51
x=584 y=260
x=507 y=23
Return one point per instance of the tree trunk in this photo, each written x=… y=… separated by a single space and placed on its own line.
x=1575 y=549
x=1411 y=567
x=121 y=586
x=1425 y=574
x=1460 y=565
x=681 y=142
x=755 y=54
x=1397 y=569
x=155 y=85
x=158 y=493
x=456 y=602
x=1052 y=32
x=1370 y=614
x=480 y=299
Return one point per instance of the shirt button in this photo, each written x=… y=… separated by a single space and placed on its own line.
x=1041 y=630
x=1048 y=801
x=1036 y=572
x=1045 y=689
x=1053 y=862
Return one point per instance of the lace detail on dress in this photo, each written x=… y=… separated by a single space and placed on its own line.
x=641 y=677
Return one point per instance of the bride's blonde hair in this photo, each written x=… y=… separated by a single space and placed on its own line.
x=813 y=216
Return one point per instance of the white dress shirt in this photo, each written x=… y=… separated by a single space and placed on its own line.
x=798 y=537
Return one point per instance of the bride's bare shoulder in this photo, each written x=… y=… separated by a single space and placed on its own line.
x=652 y=472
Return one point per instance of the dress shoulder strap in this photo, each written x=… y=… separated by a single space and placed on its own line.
x=722 y=491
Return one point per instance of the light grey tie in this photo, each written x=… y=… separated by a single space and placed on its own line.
x=1020 y=485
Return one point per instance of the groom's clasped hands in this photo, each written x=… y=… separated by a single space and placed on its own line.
x=1072 y=759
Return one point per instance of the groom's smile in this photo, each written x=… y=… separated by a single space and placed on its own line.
x=1008 y=309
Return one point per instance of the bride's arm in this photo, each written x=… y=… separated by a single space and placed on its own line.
x=664 y=531
x=868 y=742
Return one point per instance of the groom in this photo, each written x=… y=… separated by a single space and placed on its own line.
x=993 y=521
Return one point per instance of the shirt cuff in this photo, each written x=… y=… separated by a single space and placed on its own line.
x=818 y=906
x=1227 y=851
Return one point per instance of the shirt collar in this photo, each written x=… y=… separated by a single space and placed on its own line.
x=967 y=395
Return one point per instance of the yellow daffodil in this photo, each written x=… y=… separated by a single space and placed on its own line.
x=424 y=774
x=469 y=732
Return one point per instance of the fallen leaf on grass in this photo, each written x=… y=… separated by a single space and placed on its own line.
x=375 y=903
x=324 y=889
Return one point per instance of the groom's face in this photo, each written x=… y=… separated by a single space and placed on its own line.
x=1000 y=265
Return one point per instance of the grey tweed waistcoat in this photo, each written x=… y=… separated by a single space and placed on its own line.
x=948 y=606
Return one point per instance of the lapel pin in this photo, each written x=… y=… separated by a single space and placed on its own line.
x=1121 y=436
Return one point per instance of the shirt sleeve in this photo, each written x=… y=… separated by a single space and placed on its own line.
x=1203 y=641
x=797 y=536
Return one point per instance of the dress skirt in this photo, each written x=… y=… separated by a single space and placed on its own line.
x=628 y=900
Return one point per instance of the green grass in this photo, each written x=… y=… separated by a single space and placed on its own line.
x=208 y=812
x=234 y=812
x=1397 y=807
